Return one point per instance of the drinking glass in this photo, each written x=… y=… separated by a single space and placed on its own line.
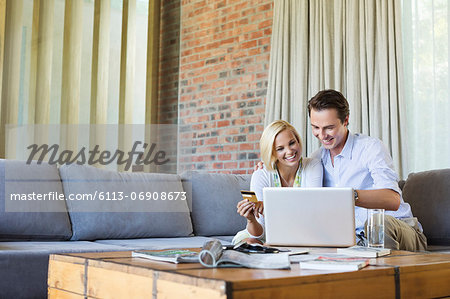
x=375 y=228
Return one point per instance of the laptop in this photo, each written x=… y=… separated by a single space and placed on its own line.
x=309 y=216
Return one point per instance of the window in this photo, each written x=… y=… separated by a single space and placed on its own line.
x=426 y=32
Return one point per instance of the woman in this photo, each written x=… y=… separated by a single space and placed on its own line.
x=284 y=166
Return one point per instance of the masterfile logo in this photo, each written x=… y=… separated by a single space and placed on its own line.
x=150 y=148
x=85 y=156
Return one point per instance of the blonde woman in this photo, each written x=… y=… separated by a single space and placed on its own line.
x=284 y=166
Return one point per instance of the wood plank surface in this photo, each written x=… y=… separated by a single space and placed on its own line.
x=155 y=265
x=243 y=279
x=117 y=274
x=68 y=258
x=67 y=276
x=425 y=281
x=413 y=260
x=107 y=283
x=61 y=294
x=170 y=289
x=173 y=285
x=94 y=255
x=382 y=286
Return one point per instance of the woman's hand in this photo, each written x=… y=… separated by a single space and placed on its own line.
x=258 y=209
x=245 y=208
x=250 y=210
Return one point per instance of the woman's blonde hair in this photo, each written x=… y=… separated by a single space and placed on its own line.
x=266 y=143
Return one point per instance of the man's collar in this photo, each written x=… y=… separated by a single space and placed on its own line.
x=346 y=151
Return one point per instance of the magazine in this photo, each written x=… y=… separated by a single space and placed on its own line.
x=213 y=255
x=362 y=251
x=173 y=256
x=335 y=263
x=293 y=250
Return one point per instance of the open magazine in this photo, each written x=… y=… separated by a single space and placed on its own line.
x=172 y=256
x=335 y=263
x=213 y=255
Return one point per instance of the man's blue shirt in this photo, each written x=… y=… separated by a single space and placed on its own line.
x=364 y=163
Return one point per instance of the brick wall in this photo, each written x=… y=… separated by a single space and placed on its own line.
x=224 y=61
x=169 y=62
x=167 y=110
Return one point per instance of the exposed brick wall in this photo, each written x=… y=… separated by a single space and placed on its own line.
x=168 y=83
x=169 y=62
x=224 y=61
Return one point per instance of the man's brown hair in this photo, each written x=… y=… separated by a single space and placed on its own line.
x=330 y=99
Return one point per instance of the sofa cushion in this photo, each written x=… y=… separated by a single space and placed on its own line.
x=122 y=205
x=428 y=194
x=24 y=265
x=213 y=197
x=31 y=219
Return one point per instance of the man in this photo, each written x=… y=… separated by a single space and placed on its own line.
x=362 y=163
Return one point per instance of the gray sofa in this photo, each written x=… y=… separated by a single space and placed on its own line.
x=428 y=193
x=31 y=230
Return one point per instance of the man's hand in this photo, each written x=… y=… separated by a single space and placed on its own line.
x=379 y=199
x=258 y=165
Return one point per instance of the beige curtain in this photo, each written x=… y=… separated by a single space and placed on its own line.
x=426 y=28
x=349 y=45
x=59 y=67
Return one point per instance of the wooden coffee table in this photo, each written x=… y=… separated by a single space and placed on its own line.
x=117 y=275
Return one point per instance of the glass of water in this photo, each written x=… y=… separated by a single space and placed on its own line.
x=375 y=228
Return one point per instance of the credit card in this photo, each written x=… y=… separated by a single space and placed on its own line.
x=250 y=195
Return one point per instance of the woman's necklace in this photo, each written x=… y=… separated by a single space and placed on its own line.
x=287 y=184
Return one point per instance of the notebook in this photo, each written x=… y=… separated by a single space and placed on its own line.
x=309 y=216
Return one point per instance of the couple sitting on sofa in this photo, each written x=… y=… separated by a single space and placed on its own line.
x=345 y=160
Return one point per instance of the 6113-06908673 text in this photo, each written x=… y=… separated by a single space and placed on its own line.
x=102 y=195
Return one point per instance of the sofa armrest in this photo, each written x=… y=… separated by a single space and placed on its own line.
x=428 y=193
x=401 y=184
